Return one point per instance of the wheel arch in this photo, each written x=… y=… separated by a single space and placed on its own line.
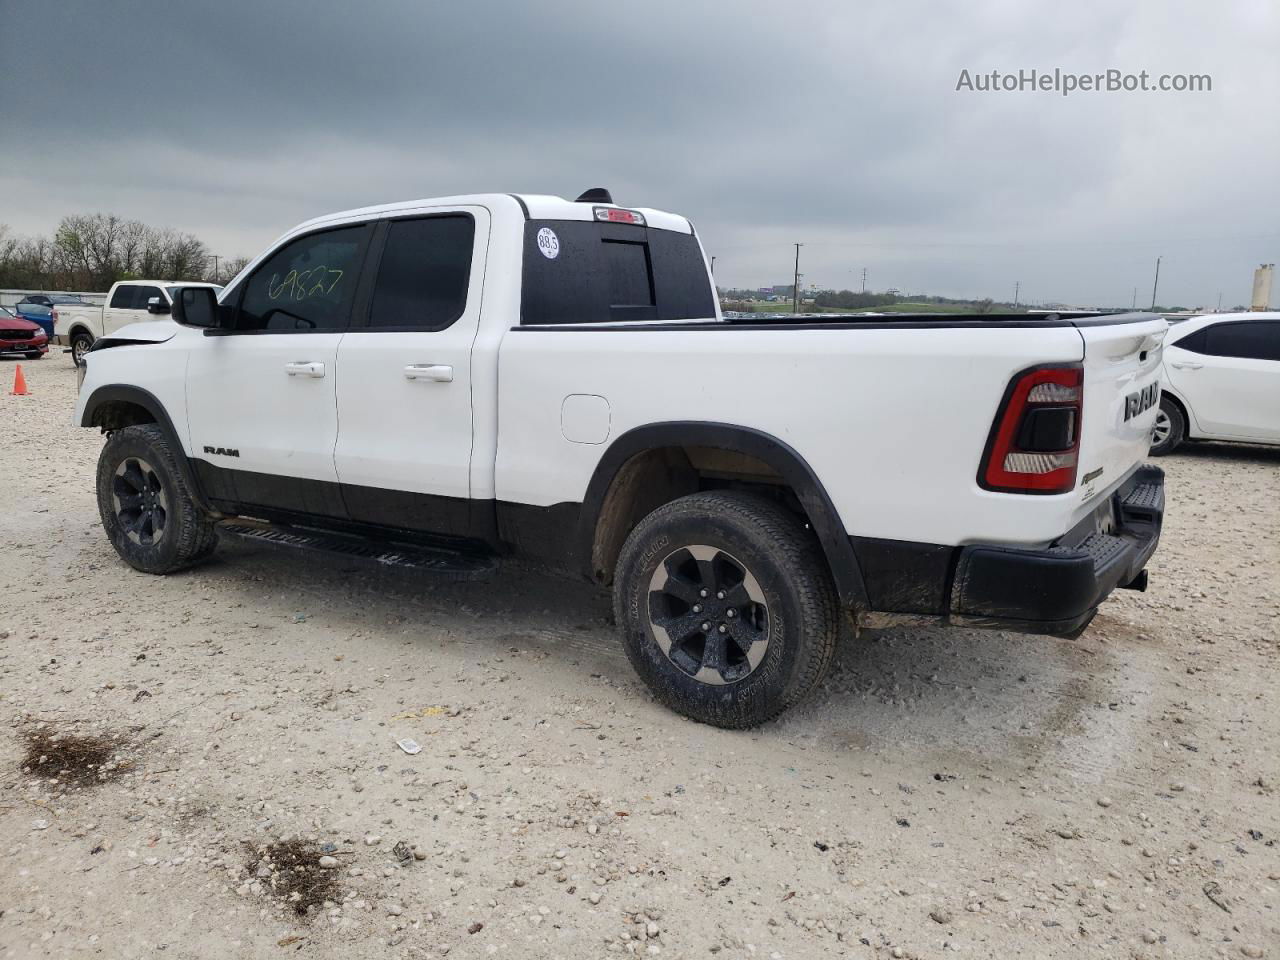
x=643 y=468
x=117 y=405
x=1183 y=407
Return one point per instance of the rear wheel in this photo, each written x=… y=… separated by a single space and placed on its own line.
x=1170 y=429
x=146 y=509
x=727 y=610
x=80 y=344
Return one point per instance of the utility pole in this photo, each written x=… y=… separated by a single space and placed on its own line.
x=1156 y=285
x=1135 y=298
x=1219 y=310
x=215 y=268
x=1017 y=287
x=713 y=266
x=795 y=286
x=864 y=279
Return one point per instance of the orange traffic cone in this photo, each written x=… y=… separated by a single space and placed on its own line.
x=19 y=383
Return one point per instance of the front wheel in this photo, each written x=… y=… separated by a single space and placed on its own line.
x=726 y=607
x=1170 y=429
x=147 y=512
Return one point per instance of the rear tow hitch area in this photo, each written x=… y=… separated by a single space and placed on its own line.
x=1138 y=583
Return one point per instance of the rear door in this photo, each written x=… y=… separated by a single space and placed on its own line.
x=1230 y=374
x=261 y=396
x=1121 y=398
x=404 y=397
x=121 y=308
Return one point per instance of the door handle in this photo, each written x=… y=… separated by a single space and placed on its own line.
x=440 y=372
x=305 y=368
x=1184 y=365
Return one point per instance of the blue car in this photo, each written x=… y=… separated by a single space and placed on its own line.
x=38 y=308
x=37 y=313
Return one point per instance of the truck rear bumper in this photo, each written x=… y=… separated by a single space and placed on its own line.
x=1055 y=590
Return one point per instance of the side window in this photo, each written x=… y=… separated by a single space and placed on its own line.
x=308 y=284
x=122 y=299
x=1252 y=340
x=423 y=273
x=144 y=294
x=1192 y=341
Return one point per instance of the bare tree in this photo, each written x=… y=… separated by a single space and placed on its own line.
x=92 y=251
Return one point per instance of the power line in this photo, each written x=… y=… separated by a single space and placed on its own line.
x=795 y=283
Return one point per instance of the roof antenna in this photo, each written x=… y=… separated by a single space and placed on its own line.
x=596 y=195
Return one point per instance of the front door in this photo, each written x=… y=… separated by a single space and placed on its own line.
x=405 y=394
x=261 y=394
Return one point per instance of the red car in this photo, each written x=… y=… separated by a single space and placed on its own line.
x=21 y=336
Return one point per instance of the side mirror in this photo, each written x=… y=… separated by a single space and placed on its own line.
x=195 y=307
x=157 y=305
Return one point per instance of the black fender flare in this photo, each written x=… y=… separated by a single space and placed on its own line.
x=781 y=456
x=127 y=393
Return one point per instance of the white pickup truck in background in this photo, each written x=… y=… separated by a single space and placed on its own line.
x=78 y=325
x=461 y=379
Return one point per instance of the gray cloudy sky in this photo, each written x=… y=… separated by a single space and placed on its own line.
x=836 y=124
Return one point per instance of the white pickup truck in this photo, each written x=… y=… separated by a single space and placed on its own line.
x=447 y=382
x=78 y=325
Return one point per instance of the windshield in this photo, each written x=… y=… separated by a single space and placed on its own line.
x=62 y=298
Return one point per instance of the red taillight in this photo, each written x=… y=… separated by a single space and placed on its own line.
x=1034 y=445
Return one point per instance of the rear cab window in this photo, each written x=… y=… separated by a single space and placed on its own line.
x=123 y=298
x=587 y=271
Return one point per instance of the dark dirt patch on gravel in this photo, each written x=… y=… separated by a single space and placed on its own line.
x=75 y=758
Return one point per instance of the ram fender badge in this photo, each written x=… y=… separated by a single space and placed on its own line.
x=222 y=451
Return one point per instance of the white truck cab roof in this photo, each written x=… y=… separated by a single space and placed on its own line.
x=534 y=206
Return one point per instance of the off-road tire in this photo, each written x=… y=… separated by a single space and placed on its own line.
x=187 y=536
x=85 y=341
x=1177 y=429
x=788 y=570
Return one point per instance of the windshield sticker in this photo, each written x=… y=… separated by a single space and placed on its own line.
x=548 y=243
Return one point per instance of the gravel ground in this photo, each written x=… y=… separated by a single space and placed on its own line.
x=946 y=791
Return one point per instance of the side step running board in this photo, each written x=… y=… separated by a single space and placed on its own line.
x=452 y=564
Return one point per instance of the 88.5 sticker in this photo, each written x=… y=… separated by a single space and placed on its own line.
x=548 y=243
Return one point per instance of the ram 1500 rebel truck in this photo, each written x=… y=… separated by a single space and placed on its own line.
x=448 y=381
x=78 y=325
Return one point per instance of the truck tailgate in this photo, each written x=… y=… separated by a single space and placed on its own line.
x=1121 y=397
